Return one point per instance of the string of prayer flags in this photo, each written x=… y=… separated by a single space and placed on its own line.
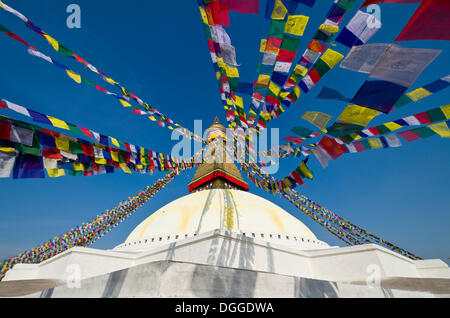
x=76 y=156
x=326 y=62
x=422 y=92
x=431 y=21
x=430 y=116
x=279 y=50
x=359 y=30
x=325 y=32
x=318 y=119
x=226 y=74
x=317 y=46
x=294 y=139
x=127 y=95
x=89 y=232
x=15 y=36
x=78 y=79
x=343 y=229
x=343 y=128
x=58 y=123
x=396 y=71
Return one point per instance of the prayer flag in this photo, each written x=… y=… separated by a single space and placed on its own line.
x=358 y=115
x=431 y=21
x=402 y=66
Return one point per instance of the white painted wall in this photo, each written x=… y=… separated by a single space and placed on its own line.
x=227 y=249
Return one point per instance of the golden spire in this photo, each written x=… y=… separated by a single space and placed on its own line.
x=219 y=170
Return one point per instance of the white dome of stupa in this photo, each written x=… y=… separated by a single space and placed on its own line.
x=224 y=209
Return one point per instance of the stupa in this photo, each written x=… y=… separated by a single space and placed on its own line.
x=222 y=241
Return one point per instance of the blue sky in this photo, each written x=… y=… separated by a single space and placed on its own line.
x=159 y=52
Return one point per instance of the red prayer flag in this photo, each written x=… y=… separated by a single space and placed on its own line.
x=4 y=131
x=431 y=21
x=51 y=153
x=334 y=149
x=297 y=177
x=423 y=118
x=315 y=77
x=409 y=135
x=86 y=132
x=243 y=6
x=286 y=56
x=358 y=146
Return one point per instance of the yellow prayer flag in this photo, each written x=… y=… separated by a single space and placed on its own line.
x=7 y=149
x=221 y=63
x=358 y=115
x=152 y=118
x=58 y=123
x=114 y=142
x=115 y=156
x=52 y=42
x=231 y=71
x=375 y=143
x=279 y=11
x=62 y=144
x=331 y=57
x=125 y=168
x=100 y=161
x=392 y=126
x=329 y=28
x=274 y=88
x=203 y=15
x=266 y=116
x=318 y=119
x=441 y=129
x=446 y=110
x=55 y=173
x=418 y=94
x=300 y=70
x=74 y=76
x=284 y=94
x=296 y=91
x=355 y=136
x=263 y=79
x=262 y=47
x=296 y=24
x=305 y=171
x=110 y=80
x=78 y=166
x=124 y=103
